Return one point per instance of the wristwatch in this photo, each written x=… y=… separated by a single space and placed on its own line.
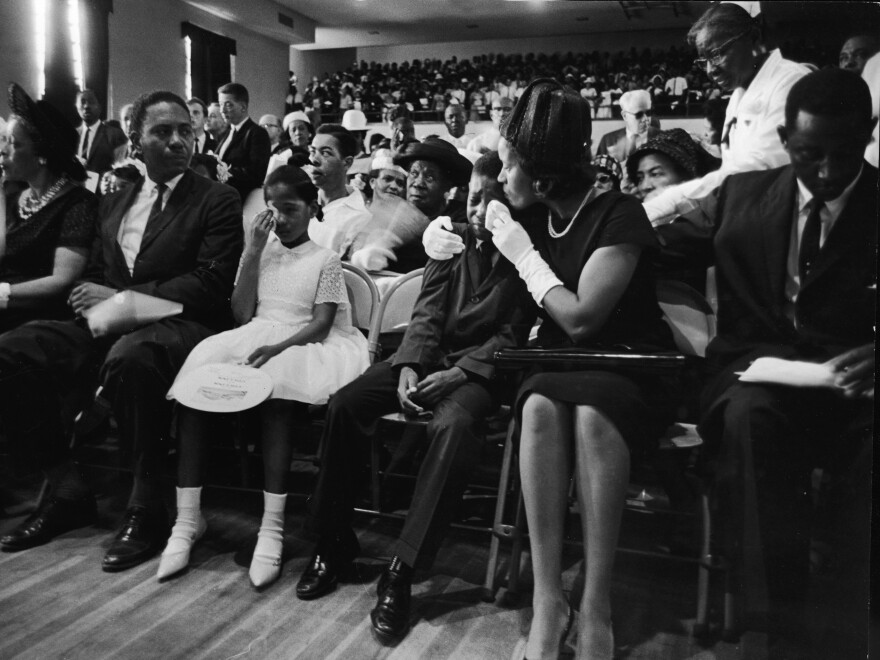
x=5 y=292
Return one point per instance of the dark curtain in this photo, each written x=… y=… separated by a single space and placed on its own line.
x=95 y=36
x=61 y=87
x=210 y=66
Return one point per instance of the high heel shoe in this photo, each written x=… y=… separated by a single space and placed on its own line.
x=564 y=649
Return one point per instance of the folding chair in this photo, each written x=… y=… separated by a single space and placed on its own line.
x=692 y=322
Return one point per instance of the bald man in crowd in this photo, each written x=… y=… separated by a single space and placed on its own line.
x=635 y=108
x=488 y=140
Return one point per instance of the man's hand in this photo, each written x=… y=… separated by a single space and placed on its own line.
x=438 y=385
x=406 y=385
x=855 y=371
x=86 y=295
x=262 y=355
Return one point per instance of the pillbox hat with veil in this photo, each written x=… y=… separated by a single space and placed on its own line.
x=549 y=127
x=54 y=136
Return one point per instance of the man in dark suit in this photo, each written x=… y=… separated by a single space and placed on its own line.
x=173 y=235
x=198 y=113
x=245 y=147
x=635 y=108
x=795 y=252
x=469 y=307
x=99 y=143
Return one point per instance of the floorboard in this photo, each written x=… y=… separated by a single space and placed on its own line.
x=55 y=602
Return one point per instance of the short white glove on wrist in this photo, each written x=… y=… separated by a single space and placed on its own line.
x=440 y=242
x=514 y=243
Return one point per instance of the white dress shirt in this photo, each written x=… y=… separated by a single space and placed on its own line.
x=92 y=131
x=827 y=217
x=133 y=225
x=343 y=219
x=232 y=131
x=749 y=141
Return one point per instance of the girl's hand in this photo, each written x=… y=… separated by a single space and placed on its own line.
x=258 y=232
x=262 y=355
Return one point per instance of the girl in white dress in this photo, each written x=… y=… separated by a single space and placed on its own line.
x=291 y=302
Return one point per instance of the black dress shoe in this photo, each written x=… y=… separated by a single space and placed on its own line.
x=329 y=560
x=53 y=517
x=390 y=617
x=143 y=534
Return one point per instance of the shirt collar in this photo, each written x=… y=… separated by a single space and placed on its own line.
x=240 y=124
x=171 y=184
x=835 y=206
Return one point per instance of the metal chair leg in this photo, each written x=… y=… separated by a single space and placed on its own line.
x=490 y=586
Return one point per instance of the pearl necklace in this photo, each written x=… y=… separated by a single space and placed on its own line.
x=28 y=204
x=555 y=234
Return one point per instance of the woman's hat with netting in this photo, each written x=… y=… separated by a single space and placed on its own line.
x=550 y=126
x=677 y=145
x=54 y=136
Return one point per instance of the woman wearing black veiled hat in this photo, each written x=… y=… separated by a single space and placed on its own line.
x=50 y=222
x=588 y=271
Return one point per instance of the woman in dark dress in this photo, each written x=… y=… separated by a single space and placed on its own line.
x=50 y=218
x=589 y=273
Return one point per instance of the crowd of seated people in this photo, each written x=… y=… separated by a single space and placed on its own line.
x=784 y=207
x=423 y=89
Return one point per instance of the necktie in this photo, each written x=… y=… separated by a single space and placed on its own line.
x=484 y=253
x=85 y=147
x=156 y=209
x=810 y=238
x=196 y=146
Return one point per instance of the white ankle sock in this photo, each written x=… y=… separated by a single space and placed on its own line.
x=188 y=528
x=266 y=564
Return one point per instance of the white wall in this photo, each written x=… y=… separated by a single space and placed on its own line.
x=608 y=41
x=146 y=52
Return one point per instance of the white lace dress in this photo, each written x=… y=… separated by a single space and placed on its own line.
x=291 y=283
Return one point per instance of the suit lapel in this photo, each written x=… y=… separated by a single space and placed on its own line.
x=853 y=225
x=238 y=136
x=776 y=214
x=172 y=207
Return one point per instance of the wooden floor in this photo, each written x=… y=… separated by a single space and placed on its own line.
x=55 y=602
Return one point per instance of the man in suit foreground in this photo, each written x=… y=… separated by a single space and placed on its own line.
x=173 y=235
x=100 y=144
x=469 y=307
x=795 y=251
x=245 y=147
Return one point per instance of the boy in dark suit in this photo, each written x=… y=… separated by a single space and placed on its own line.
x=100 y=144
x=174 y=235
x=469 y=307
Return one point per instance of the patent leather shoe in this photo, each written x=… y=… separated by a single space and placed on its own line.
x=142 y=535
x=53 y=517
x=390 y=617
x=329 y=561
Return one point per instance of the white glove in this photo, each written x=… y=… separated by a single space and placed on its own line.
x=514 y=243
x=441 y=243
x=508 y=235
